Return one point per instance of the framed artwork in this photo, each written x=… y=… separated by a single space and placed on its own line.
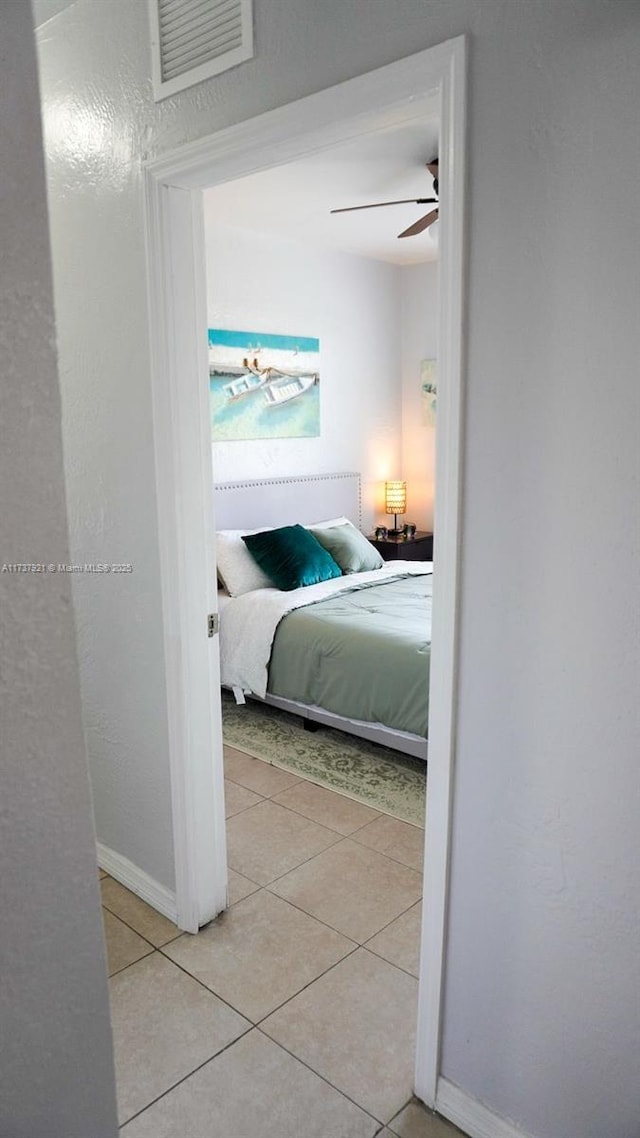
x=428 y=391
x=263 y=385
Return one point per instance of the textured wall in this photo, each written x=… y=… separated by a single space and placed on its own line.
x=353 y=305
x=56 y=1067
x=541 y=1014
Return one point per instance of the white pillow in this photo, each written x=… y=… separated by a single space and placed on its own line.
x=237 y=569
x=328 y=525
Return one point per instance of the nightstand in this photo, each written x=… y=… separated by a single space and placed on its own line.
x=394 y=548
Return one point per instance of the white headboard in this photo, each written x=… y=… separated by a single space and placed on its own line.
x=275 y=502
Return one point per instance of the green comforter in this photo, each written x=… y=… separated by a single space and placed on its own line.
x=363 y=654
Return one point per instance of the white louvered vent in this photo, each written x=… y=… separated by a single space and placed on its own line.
x=195 y=39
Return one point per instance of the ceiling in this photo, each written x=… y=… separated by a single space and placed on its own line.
x=44 y=10
x=294 y=201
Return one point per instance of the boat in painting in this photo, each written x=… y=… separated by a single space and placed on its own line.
x=245 y=384
x=288 y=387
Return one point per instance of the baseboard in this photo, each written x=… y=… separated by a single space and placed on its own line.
x=472 y=1116
x=139 y=882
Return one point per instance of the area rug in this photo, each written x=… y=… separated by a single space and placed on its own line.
x=376 y=776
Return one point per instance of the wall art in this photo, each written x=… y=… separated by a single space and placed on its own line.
x=263 y=385
x=429 y=392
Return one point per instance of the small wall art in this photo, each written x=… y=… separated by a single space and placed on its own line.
x=263 y=385
x=428 y=392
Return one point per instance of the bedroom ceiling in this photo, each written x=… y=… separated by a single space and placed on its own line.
x=44 y=10
x=294 y=201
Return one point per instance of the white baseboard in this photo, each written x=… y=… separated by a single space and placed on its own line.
x=472 y=1116
x=139 y=882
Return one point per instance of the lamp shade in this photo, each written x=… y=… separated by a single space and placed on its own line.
x=395 y=497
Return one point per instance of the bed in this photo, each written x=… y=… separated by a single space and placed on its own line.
x=349 y=649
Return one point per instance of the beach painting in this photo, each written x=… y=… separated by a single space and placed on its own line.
x=429 y=392
x=263 y=385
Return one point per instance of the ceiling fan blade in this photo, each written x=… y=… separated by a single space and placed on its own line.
x=422 y=223
x=378 y=205
x=432 y=167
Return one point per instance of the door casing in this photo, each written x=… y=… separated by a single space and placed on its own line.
x=184 y=483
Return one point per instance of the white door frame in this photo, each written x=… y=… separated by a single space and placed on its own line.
x=178 y=322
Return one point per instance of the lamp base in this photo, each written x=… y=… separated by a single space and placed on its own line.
x=397 y=530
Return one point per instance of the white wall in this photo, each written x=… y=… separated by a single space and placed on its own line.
x=56 y=1065
x=541 y=1013
x=352 y=304
x=418 y=341
x=543 y=976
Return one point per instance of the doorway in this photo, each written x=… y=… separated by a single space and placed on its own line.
x=177 y=289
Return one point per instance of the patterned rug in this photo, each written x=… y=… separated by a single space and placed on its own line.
x=377 y=776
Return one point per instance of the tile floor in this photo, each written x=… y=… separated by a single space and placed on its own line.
x=294 y=1012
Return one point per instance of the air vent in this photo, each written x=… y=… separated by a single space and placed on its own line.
x=195 y=39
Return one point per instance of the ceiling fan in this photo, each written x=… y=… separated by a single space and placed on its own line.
x=422 y=222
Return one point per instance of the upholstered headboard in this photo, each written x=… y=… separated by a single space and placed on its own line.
x=284 y=501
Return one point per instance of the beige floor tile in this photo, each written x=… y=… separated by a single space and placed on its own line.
x=267 y=840
x=326 y=807
x=255 y=774
x=415 y=1121
x=237 y=798
x=164 y=1026
x=352 y=888
x=394 y=838
x=136 y=913
x=399 y=943
x=240 y=887
x=355 y=1026
x=123 y=945
x=259 y=953
x=253 y=1090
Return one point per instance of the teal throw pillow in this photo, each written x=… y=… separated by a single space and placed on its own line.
x=291 y=557
x=349 y=547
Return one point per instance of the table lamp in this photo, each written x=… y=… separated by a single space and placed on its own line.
x=395 y=501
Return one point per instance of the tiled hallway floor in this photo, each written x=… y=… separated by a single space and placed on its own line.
x=293 y=1014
